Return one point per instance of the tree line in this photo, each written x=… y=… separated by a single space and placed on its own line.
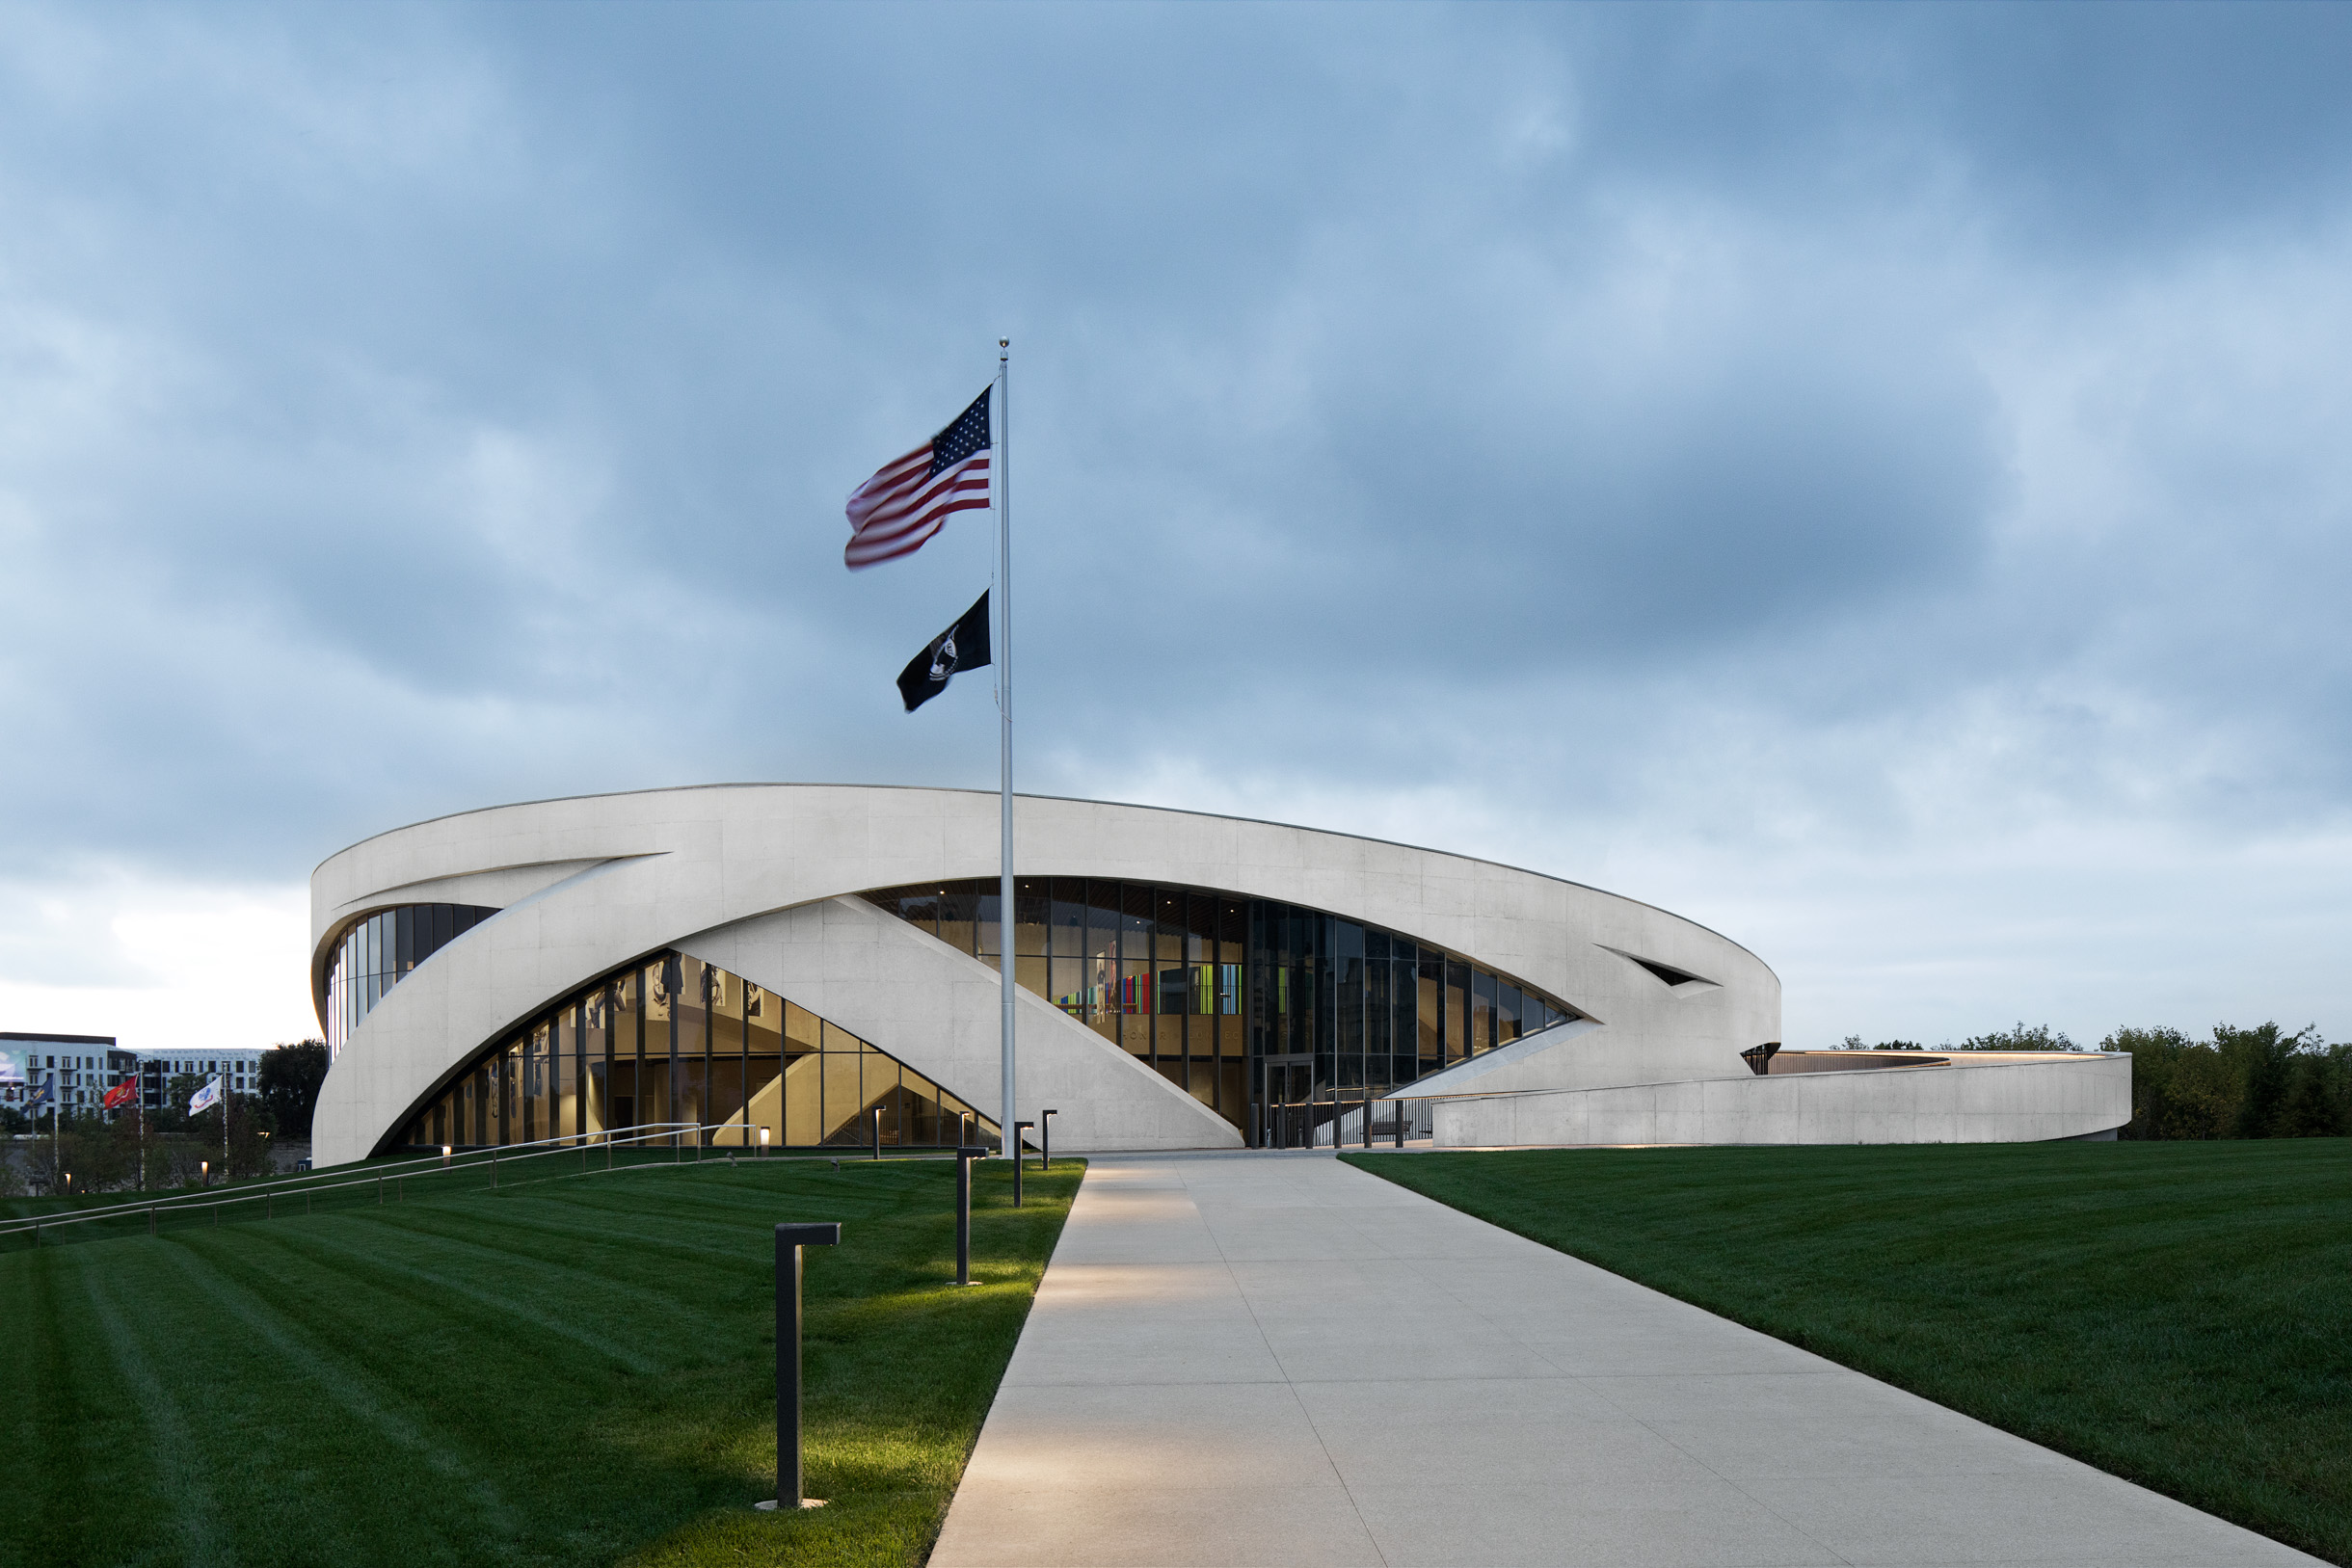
x=2261 y=1082
x=159 y=1149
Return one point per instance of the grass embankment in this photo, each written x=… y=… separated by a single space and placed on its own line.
x=577 y=1369
x=2177 y=1314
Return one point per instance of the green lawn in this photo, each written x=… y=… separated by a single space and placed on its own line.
x=2180 y=1314
x=574 y=1370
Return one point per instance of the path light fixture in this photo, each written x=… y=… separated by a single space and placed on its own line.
x=1045 y=1138
x=763 y=1142
x=204 y=1173
x=1017 y=1126
x=965 y=1155
x=877 y=1132
x=790 y=1239
x=445 y=1153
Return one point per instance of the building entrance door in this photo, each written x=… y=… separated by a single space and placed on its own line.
x=1289 y=1106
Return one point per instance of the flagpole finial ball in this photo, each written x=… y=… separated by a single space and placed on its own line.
x=1005 y=342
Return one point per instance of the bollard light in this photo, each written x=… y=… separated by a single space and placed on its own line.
x=877 y=1132
x=445 y=1151
x=965 y=1155
x=1045 y=1138
x=763 y=1138
x=1017 y=1126
x=790 y=1239
x=204 y=1173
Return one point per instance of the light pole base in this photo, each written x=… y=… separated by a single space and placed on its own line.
x=769 y=1505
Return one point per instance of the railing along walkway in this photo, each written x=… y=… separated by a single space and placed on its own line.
x=388 y=1181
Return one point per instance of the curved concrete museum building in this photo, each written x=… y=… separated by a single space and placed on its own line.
x=821 y=961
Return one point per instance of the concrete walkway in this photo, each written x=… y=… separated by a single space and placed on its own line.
x=1274 y=1359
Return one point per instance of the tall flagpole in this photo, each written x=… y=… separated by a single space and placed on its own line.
x=1004 y=656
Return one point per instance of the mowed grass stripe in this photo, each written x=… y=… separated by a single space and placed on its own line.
x=98 y=1434
x=556 y=1371
x=2177 y=1314
x=353 y=1389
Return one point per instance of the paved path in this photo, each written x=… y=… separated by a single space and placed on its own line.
x=1274 y=1359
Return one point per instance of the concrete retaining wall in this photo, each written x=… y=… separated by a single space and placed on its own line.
x=1999 y=1099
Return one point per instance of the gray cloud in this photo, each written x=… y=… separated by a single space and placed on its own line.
x=1795 y=431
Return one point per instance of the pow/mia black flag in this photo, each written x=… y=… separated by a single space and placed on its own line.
x=963 y=646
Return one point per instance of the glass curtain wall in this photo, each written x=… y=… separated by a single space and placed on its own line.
x=1278 y=1018
x=687 y=1047
x=377 y=953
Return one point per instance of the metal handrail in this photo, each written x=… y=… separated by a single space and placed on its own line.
x=398 y=1171
x=315 y=1181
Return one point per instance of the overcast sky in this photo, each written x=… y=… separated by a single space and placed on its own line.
x=1872 y=479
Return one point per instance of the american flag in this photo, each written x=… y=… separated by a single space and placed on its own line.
x=902 y=505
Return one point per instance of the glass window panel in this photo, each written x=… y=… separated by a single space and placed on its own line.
x=1404 y=1008
x=1482 y=1011
x=842 y=1100
x=1232 y=1039
x=1200 y=1080
x=1231 y=1098
x=1032 y=905
x=801 y=1029
x=1067 y=986
x=1376 y=1012
x=725 y=1105
x=1375 y=943
x=958 y=903
x=1457 y=1009
x=985 y=914
x=1232 y=931
x=1135 y=922
x=1506 y=1013
x=1171 y=991
x=660 y=979
x=1347 y=996
x=1428 y=1016
x=1135 y=1033
x=1101 y=978
x=917 y=906
x=727 y=998
x=510 y=1079
x=697 y=982
x=568 y=1076
x=1170 y=909
x=1346 y=938
x=878 y=1078
x=1068 y=918
x=763 y=1094
x=803 y=1101
x=1200 y=929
